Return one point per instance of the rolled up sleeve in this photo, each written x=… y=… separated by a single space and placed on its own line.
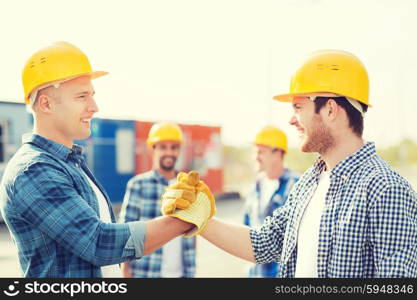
x=137 y=238
x=267 y=239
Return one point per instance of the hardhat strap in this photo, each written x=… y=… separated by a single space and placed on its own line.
x=34 y=94
x=356 y=104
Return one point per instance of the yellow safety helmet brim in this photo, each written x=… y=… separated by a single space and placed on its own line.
x=93 y=75
x=290 y=97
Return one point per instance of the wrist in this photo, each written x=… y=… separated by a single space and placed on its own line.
x=182 y=226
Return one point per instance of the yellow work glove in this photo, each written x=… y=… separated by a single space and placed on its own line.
x=190 y=200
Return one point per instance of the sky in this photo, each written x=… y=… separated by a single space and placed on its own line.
x=219 y=62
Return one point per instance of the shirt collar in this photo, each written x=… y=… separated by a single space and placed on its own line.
x=286 y=174
x=58 y=150
x=347 y=166
x=161 y=178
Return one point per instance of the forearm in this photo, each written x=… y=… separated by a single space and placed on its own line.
x=161 y=230
x=234 y=239
x=126 y=271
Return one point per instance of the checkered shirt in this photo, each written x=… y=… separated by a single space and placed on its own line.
x=368 y=227
x=53 y=215
x=142 y=201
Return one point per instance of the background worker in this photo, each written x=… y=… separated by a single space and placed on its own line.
x=142 y=201
x=272 y=186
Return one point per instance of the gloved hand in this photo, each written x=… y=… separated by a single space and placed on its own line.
x=181 y=194
x=190 y=200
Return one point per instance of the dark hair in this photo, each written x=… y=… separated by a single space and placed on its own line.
x=354 y=116
x=278 y=149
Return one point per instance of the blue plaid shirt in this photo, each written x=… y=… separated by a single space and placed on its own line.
x=254 y=216
x=53 y=215
x=368 y=227
x=142 y=201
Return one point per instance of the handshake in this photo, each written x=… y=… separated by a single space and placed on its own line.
x=190 y=200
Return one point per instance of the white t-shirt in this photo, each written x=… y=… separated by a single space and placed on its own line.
x=172 y=266
x=257 y=204
x=111 y=270
x=308 y=232
x=268 y=188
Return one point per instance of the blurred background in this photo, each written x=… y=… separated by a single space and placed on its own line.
x=213 y=67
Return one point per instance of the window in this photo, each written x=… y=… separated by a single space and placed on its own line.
x=125 y=151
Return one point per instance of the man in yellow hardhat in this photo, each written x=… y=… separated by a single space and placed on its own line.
x=142 y=201
x=271 y=188
x=350 y=214
x=58 y=214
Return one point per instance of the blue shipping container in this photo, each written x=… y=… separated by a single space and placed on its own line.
x=110 y=154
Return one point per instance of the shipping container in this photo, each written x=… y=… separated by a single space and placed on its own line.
x=110 y=154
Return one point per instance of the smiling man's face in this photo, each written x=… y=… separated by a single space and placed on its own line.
x=314 y=135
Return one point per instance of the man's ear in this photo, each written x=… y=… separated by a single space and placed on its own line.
x=43 y=104
x=332 y=109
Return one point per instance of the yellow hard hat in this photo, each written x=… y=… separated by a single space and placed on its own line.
x=272 y=137
x=164 y=132
x=331 y=71
x=56 y=62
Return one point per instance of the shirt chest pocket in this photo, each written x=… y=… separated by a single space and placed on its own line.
x=352 y=217
x=346 y=216
x=85 y=190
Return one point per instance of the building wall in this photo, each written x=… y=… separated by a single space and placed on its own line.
x=14 y=122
